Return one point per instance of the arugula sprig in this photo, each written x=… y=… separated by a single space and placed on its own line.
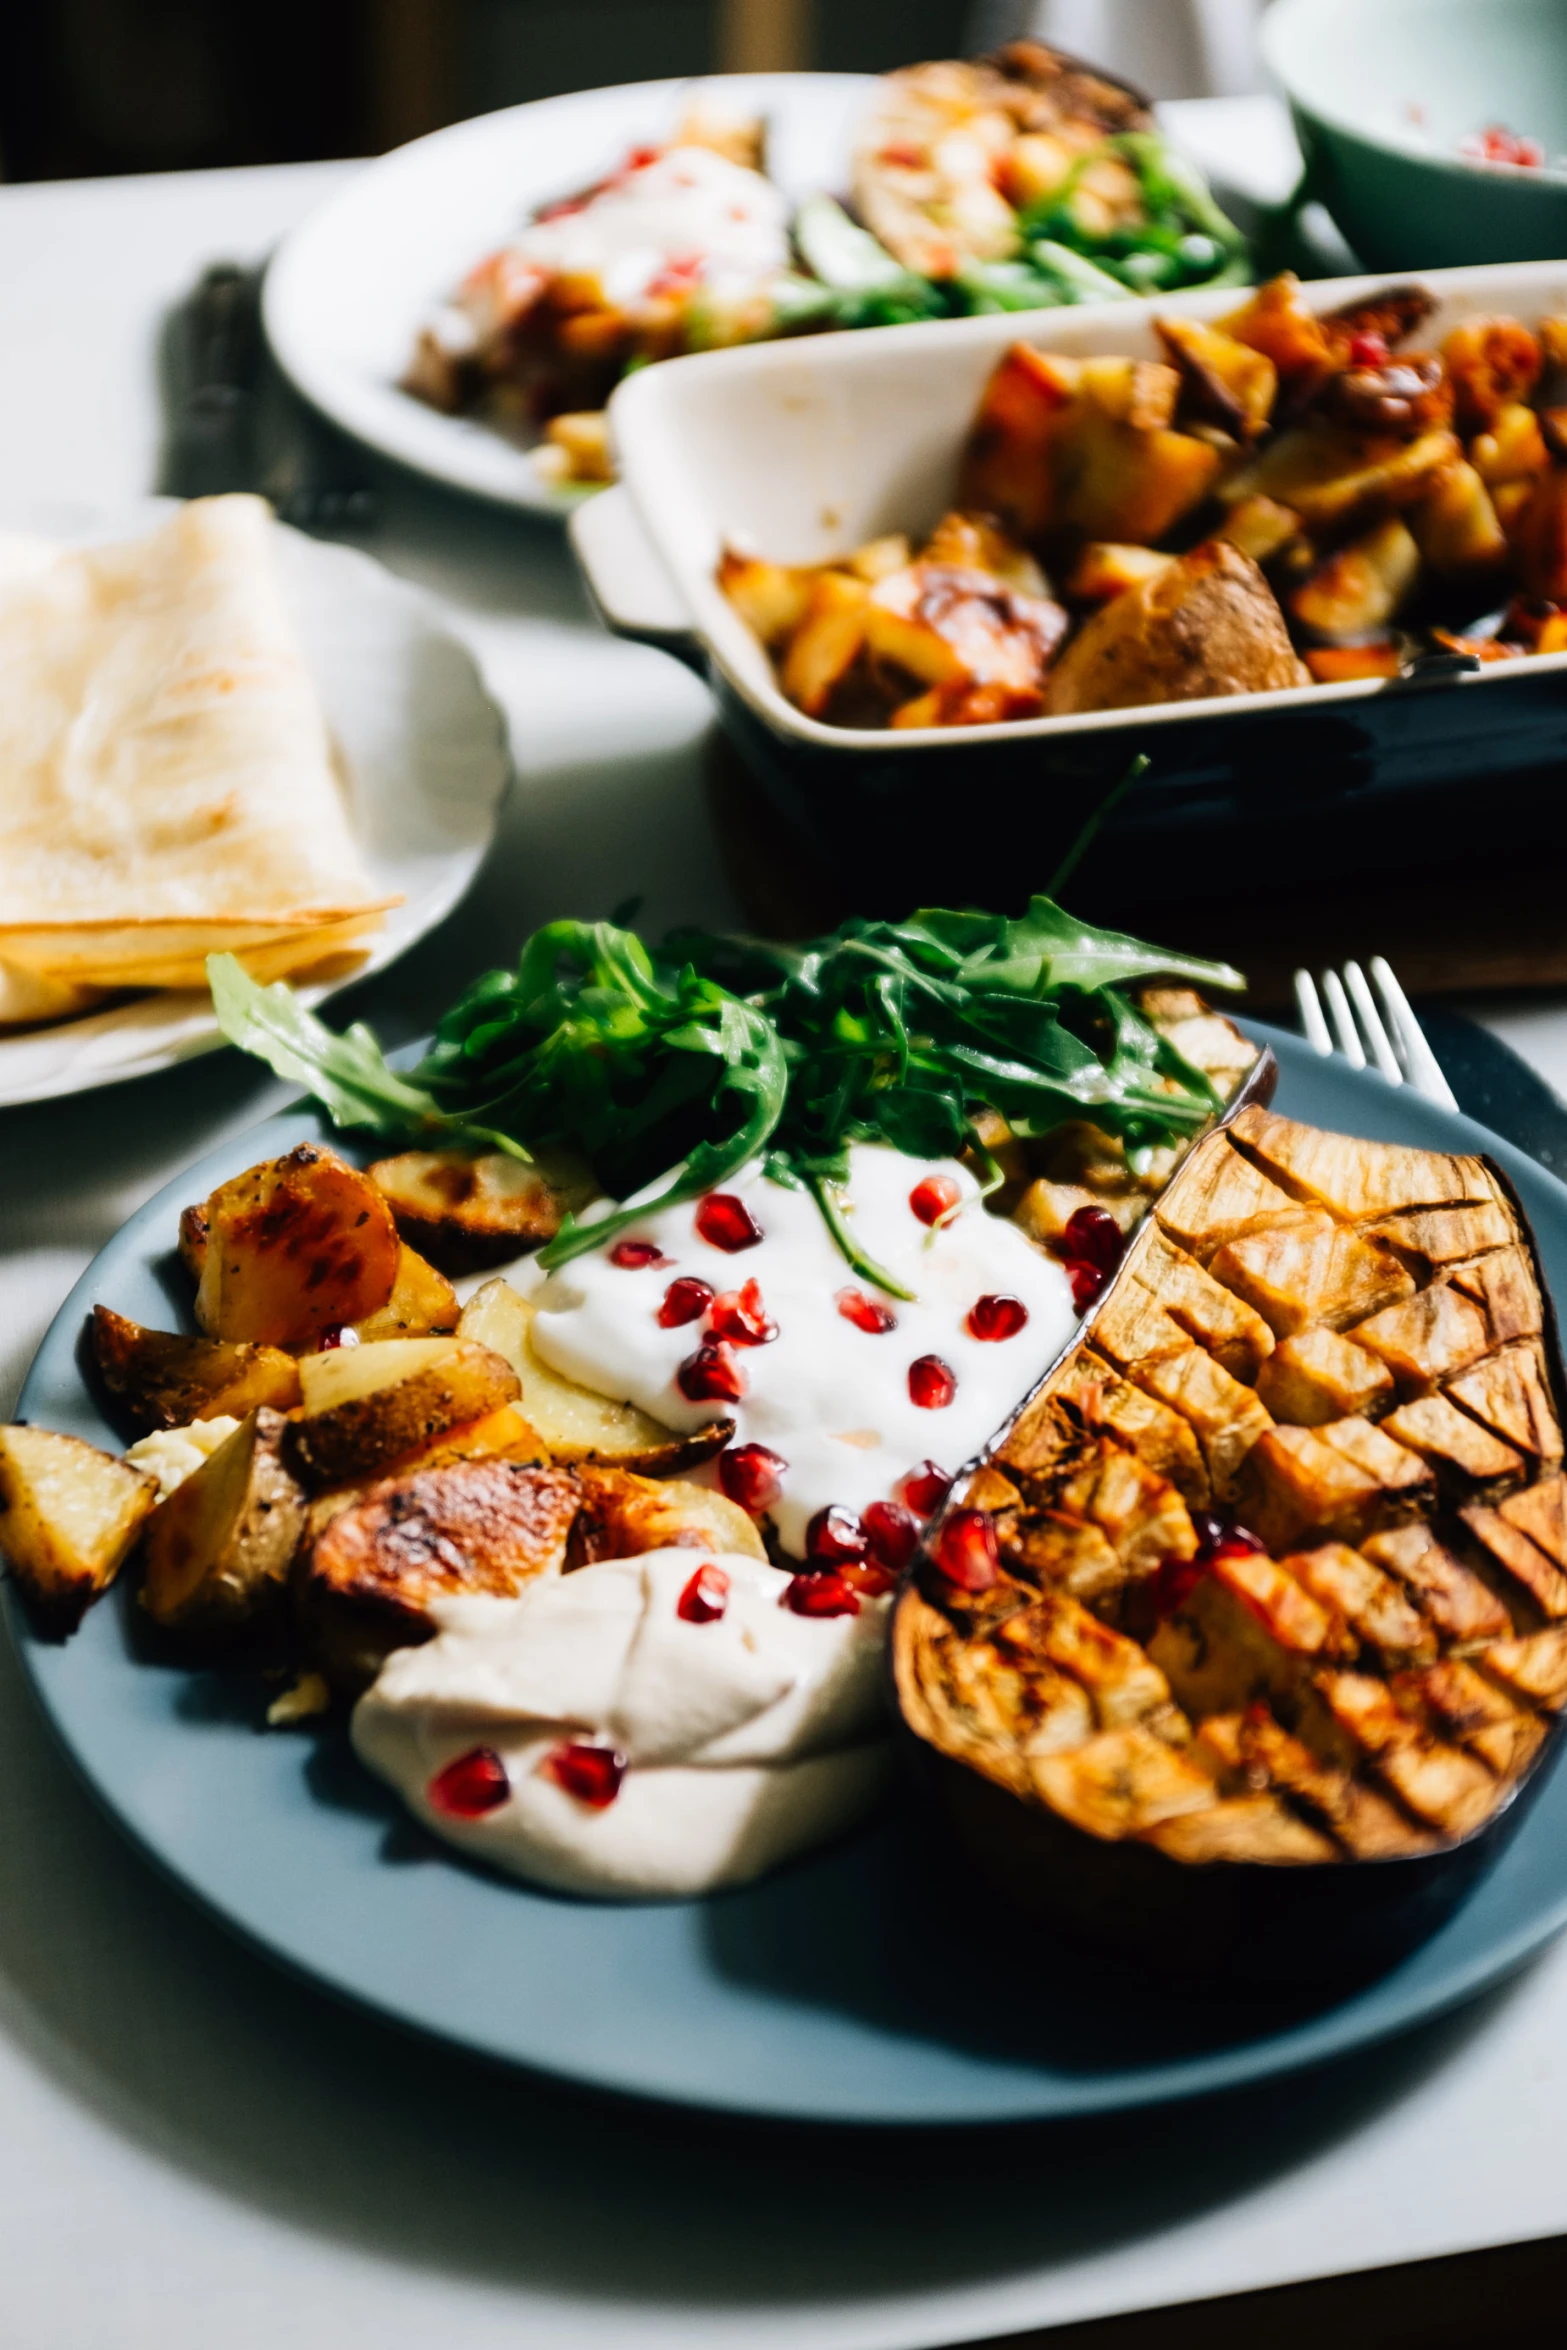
x=691 y=1061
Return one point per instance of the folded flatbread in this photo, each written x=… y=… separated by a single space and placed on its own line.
x=167 y=786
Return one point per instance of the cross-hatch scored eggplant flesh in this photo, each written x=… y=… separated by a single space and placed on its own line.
x=1283 y=1541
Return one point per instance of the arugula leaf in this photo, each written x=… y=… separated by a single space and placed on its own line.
x=672 y=1069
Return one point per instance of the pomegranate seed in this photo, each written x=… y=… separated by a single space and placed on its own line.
x=868 y=1579
x=1087 y=1283
x=740 y=1316
x=472 y=1785
x=709 y=1376
x=752 y=1476
x=340 y=1334
x=997 y=1317
x=1093 y=1237
x=725 y=1222
x=894 y=1534
x=591 y=1773
x=705 y=1597
x=925 y=1488
x=1368 y=349
x=633 y=1255
x=1237 y=1544
x=821 y=1595
x=1173 y=1581
x=834 y=1537
x=866 y=1313
x=931 y=1384
x=685 y=1300
x=966 y=1552
x=934 y=1198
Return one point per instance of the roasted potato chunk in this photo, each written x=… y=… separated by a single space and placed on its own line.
x=1223 y=381
x=423 y=1303
x=68 y=1517
x=466 y=1210
x=1363 y=585
x=219 y=1549
x=475 y=1526
x=827 y=643
x=575 y=1423
x=163 y=1379
x=1207 y=624
x=365 y=1406
x=1491 y=362
x=297 y=1247
x=1334 y=479
x=960 y=627
x=623 y=1514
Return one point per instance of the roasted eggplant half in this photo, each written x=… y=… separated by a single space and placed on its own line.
x=1251 y=1628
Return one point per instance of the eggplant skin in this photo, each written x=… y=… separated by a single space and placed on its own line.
x=1305 y=1723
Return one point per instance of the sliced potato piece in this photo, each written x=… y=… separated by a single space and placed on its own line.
x=1105 y=569
x=770 y=597
x=219 y=1550
x=487 y=1527
x=365 y=1406
x=624 y=1514
x=1223 y=381
x=1205 y=624
x=574 y=1422
x=297 y=1246
x=163 y=1379
x=1009 y=465
x=961 y=627
x=828 y=641
x=1456 y=527
x=466 y=1210
x=1333 y=479
x=68 y=1516
x=423 y=1303
x=1363 y=584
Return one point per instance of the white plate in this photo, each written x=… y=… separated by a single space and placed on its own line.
x=425 y=757
x=349 y=289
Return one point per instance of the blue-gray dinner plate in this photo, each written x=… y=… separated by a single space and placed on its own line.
x=866 y=1984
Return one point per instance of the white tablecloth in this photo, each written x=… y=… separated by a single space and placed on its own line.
x=195 y=2150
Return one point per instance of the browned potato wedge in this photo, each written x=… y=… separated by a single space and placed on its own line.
x=1513 y=449
x=163 y=1379
x=501 y=1435
x=423 y=1303
x=574 y=1422
x=1223 y=381
x=297 y=1246
x=486 y=1527
x=1104 y=569
x=1276 y=321
x=960 y=627
x=68 y=1515
x=1538 y=532
x=1206 y=625
x=365 y=1406
x=623 y=1515
x=969 y=542
x=1008 y=467
x=828 y=641
x=1491 y=363
x=1260 y=527
x=1333 y=479
x=1455 y=525
x=1123 y=481
x=1363 y=585
x=194 y=1232
x=769 y=597
x=466 y=1210
x=218 y=1551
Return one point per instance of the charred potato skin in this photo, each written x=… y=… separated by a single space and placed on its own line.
x=296 y=1247
x=360 y=1436
x=217 y=1554
x=1336 y=1922
x=63 y=1557
x=466 y=1211
x=164 y=1379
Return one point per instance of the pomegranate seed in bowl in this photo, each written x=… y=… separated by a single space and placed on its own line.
x=866 y=1313
x=996 y=1317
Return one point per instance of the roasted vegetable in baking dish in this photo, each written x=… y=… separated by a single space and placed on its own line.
x=1282 y=498
x=1271 y=1575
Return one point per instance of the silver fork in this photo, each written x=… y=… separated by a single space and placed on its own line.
x=1389 y=1037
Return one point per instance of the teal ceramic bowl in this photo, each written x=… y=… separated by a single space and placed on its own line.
x=1383 y=91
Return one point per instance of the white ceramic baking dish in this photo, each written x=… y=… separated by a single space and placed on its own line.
x=803 y=449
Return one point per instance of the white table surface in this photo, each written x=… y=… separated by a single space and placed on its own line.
x=195 y=2150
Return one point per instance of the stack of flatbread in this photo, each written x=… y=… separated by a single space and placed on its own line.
x=167 y=786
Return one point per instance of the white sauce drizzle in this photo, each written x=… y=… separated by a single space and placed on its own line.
x=689 y=205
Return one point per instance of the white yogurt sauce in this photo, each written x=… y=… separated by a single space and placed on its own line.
x=831 y=1399
x=687 y=205
x=746 y=1738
